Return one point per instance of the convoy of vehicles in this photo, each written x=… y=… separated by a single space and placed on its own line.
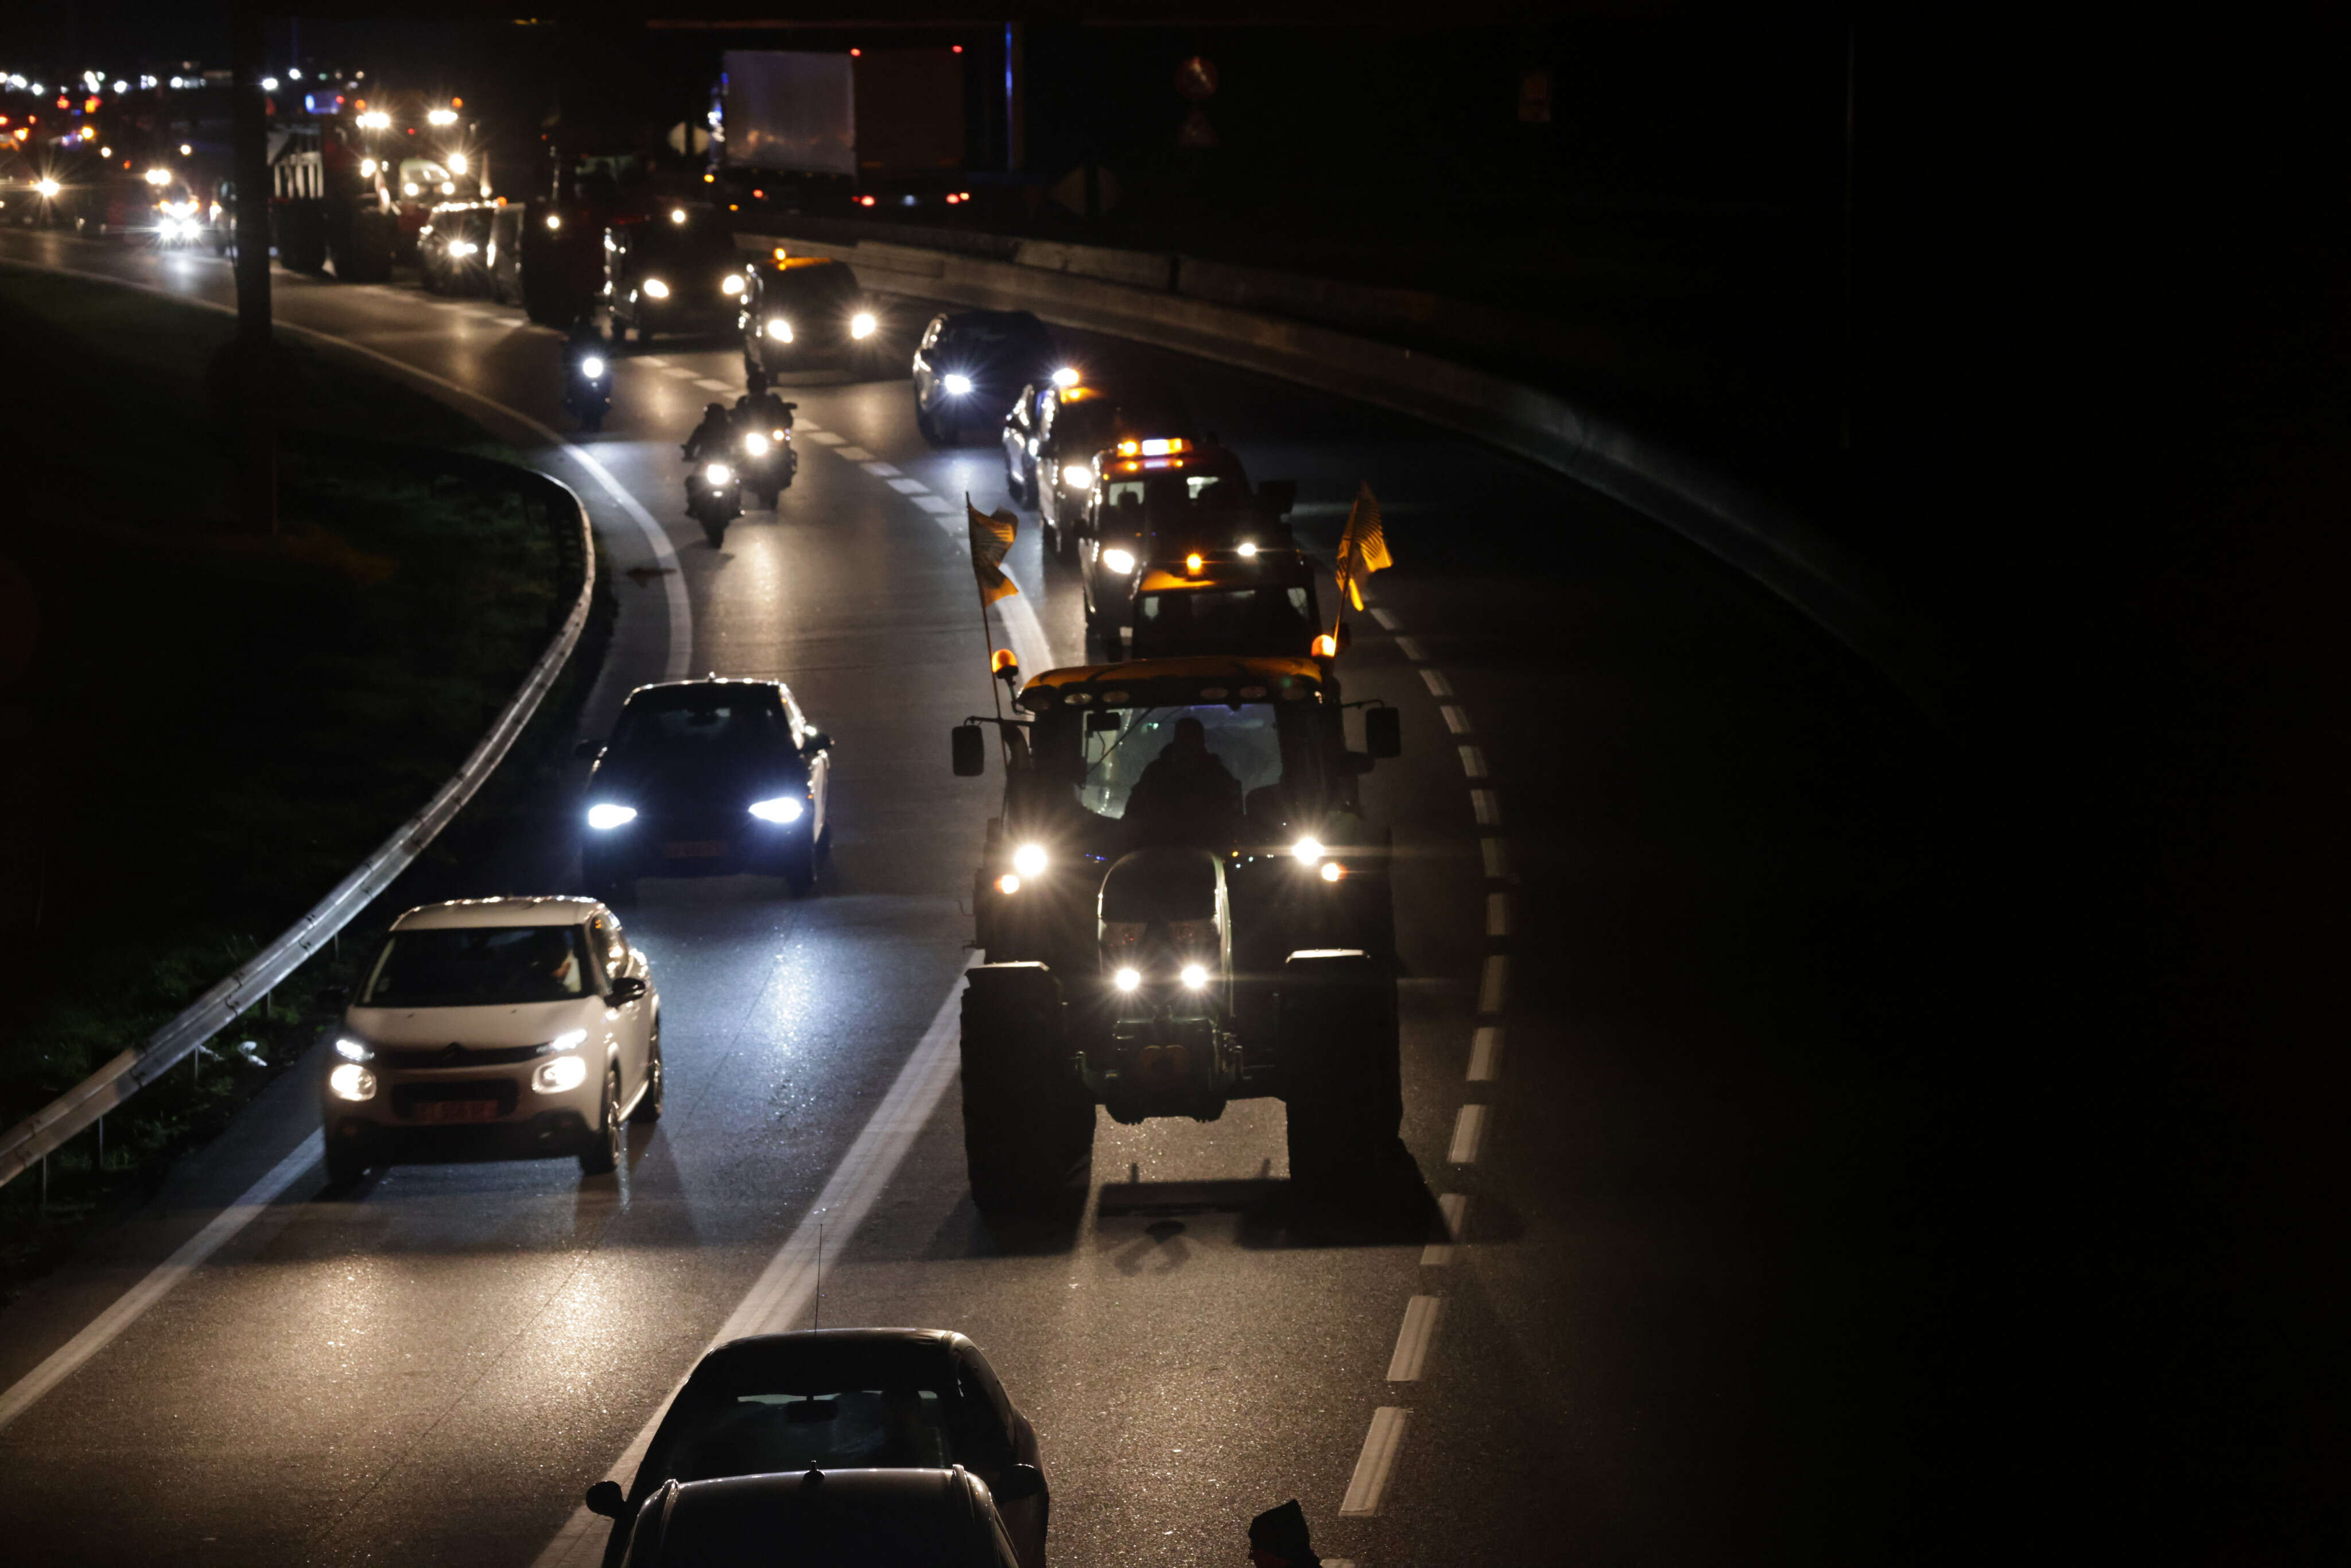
x=454 y=246
x=675 y=270
x=801 y=310
x=1055 y=435
x=970 y=364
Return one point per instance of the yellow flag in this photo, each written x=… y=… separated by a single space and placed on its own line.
x=991 y=537
x=1363 y=547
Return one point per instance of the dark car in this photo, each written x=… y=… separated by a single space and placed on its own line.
x=503 y=258
x=808 y=309
x=453 y=248
x=675 y=270
x=1072 y=428
x=1157 y=499
x=707 y=779
x=823 y=1518
x=970 y=365
x=857 y=1400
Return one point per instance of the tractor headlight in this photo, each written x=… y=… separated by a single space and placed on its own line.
x=718 y=472
x=958 y=386
x=463 y=247
x=563 y=1073
x=1065 y=376
x=1195 y=976
x=605 y=818
x=1118 y=561
x=1333 y=871
x=1128 y=980
x=862 y=325
x=656 y=289
x=1308 y=851
x=731 y=283
x=779 y=329
x=1030 y=859
x=783 y=809
x=350 y=1081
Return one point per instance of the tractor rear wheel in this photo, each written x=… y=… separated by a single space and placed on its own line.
x=1028 y=1123
x=1340 y=1069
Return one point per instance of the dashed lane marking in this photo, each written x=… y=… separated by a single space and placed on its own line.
x=655 y=361
x=910 y=487
x=1498 y=915
x=936 y=504
x=883 y=470
x=706 y=384
x=1497 y=857
x=854 y=454
x=677 y=372
x=1454 y=719
x=1453 y=1209
x=1420 y=1315
x=1375 y=1463
x=1485 y=1054
x=1468 y=1131
x=1411 y=649
x=1439 y=686
x=1489 y=810
x=1473 y=761
x=824 y=437
x=1494 y=983
x=1387 y=621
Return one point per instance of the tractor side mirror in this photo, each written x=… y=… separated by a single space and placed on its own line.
x=968 y=750
x=1277 y=496
x=607 y=1499
x=1383 y=731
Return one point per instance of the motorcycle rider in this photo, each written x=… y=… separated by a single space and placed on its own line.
x=713 y=436
x=761 y=409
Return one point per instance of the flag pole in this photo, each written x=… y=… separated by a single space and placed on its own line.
x=987 y=641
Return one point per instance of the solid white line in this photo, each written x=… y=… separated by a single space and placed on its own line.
x=1498 y=915
x=1486 y=1054
x=1374 y=1464
x=1420 y=1315
x=1469 y=1127
x=1386 y=620
x=1453 y=1207
x=1411 y=649
x=883 y=470
x=805 y=425
x=100 y=1331
x=1454 y=719
x=939 y=504
x=824 y=437
x=1473 y=760
x=910 y=487
x=1498 y=858
x=778 y=1300
x=854 y=454
x=677 y=372
x=1489 y=810
x=1494 y=984
x=1439 y=686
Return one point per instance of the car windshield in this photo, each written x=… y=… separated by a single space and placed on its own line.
x=815 y=287
x=862 y=1533
x=698 y=239
x=479 y=966
x=861 y=1428
x=1218 y=620
x=707 y=723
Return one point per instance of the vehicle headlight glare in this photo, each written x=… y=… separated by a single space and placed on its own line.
x=1078 y=476
x=1029 y=860
x=958 y=386
x=755 y=445
x=1008 y=884
x=1127 y=981
x=555 y=220
x=351 y=1050
x=591 y=367
x=1308 y=850
x=605 y=818
x=563 y=1073
x=569 y=1039
x=49 y=187
x=779 y=329
x=463 y=247
x=1247 y=549
x=656 y=289
x=730 y=284
x=1333 y=871
x=1195 y=976
x=783 y=809
x=1065 y=376
x=350 y=1081
x=718 y=472
x=862 y=325
x=1118 y=561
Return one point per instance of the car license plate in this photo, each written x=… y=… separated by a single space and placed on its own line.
x=694 y=849
x=457 y=1110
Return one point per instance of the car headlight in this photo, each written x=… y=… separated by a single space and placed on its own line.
x=656 y=289
x=779 y=329
x=1030 y=859
x=408 y=188
x=463 y=247
x=958 y=386
x=783 y=809
x=48 y=188
x=1247 y=549
x=555 y=220
x=1195 y=976
x=755 y=445
x=563 y=1073
x=569 y=1039
x=1333 y=871
x=731 y=283
x=350 y=1081
x=1078 y=476
x=1065 y=376
x=1308 y=851
x=1118 y=561
x=1008 y=884
x=718 y=472
x=605 y=818
x=1127 y=980
x=862 y=325
x=351 y=1050
x=591 y=367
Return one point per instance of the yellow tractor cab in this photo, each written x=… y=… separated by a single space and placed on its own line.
x=1243 y=599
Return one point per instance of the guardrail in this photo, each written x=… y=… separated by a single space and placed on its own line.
x=1181 y=304
x=25 y=1145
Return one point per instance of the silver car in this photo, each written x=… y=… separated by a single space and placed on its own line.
x=525 y=1027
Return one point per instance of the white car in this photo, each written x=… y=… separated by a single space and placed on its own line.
x=522 y=1026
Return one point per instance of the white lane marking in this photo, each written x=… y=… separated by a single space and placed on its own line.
x=681 y=609
x=1489 y=810
x=1420 y=1315
x=1469 y=1129
x=824 y=437
x=100 y=1331
x=1439 y=686
x=1497 y=855
x=677 y=372
x=1486 y=1054
x=655 y=361
x=1375 y=1463
x=806 y=424
x=1454 y=719
x=1498 y=915
x=1453 y=1209
x=854 y=454
x=1386 y=618
x=1473 y=760
x=707 y=384
x=938 y=504
x=1411 y=649
x=910 y=487
x=883 y=470
x=778 y=1300
x=1493 y=984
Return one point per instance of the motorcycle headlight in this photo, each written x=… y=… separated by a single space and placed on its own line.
x=783 y=809
x=350 y=1081
x=958 y=386
x=351 y=1050
x=718 y=472
x=1030 y=859
x=656 y=289
x=862 y=324
x=1118 y=561
x=1078 y=476
x=592 y=368
x=779 y=329
x=731 y=283
x=563 y=1073
x=755 y=445
x=605 y=818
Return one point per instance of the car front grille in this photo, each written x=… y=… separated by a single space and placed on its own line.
x=407 y=1097
x=408 y=1058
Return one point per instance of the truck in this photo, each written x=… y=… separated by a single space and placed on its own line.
x=871 y=126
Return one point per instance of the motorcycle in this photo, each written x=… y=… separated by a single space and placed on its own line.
x=588 y=391
x=769 y=460
x=714 y=497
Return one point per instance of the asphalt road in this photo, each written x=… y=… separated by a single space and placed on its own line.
x=1671 y=888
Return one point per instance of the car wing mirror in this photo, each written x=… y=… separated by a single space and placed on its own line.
x=1020 y=1484
x=1383 y=731
x=817 y=742
x=591 y=749
x=607 y=1499
x=968 y=750
x=627 y=989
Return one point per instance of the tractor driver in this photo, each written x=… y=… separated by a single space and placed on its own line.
x=1187 y=793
